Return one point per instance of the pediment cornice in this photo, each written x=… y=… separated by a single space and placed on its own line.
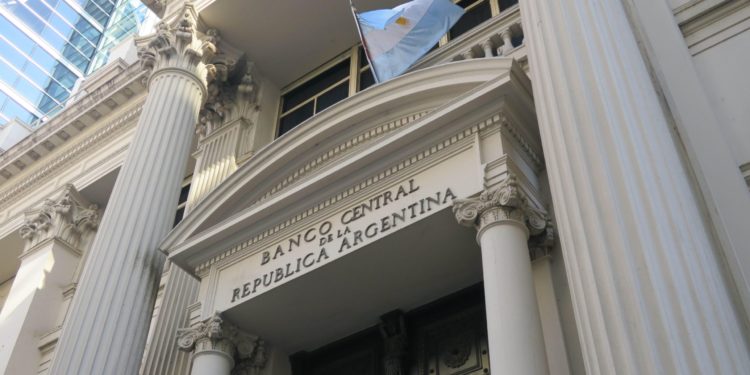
x=357 y=134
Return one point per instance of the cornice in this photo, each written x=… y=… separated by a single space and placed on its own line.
x=54 y=167
x=459 y=83
x=411 y=165
x=338 y=152
x=91 y=103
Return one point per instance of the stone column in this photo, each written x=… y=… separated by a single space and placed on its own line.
x=504 y=220
x=55 y=237
x=648 y=288
x=109 y=319
x=220 y=348
x=227 y=131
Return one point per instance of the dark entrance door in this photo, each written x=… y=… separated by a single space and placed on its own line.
x=445 y=337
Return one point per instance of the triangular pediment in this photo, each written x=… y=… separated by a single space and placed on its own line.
x=331 y=150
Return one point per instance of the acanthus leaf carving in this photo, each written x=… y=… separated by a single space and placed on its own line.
x=232 y=94
x=505 y=202
x=215 y=333
x=69 y=218
x=179 y=47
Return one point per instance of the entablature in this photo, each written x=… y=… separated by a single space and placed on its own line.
x=358 y=141
x=102 y=94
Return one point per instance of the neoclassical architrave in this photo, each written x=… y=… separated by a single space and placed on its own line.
x=505 y=203
x=84 y=148
x=246 y=351
x=69 y=218
x=435 y=153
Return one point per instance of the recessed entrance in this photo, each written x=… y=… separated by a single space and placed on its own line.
x=445 y=337
x=423 y=262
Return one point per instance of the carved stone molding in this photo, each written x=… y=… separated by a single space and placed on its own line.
x=214 y=334
x=69 y=218
x=506 y=202
x=232 y=93
x=178 y=47
x=156 y=6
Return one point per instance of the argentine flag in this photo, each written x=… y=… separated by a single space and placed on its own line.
x=394 y=39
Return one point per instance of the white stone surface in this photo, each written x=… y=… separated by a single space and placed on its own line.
x=55 y=235
x=109 y=318
x=513 y=325
x=212 y=362
x=722 y=193
x=723 y=72
x=647 y=286
x=162 y=356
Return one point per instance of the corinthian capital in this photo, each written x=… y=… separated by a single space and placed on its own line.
x=178 y=46
x=69 y=218
x=215 y=333
x=506 y=202
x=232 y=94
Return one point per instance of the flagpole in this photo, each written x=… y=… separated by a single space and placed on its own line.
x=364 y=45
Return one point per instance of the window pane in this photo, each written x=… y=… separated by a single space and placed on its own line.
x=333 y=96
x=363 y=62
x=472 y=18
x=505 y=4
x=315 y=85
x=296 y=117
x=184 y=194
x=178 y=216
x=11 y=110
x=366 y=79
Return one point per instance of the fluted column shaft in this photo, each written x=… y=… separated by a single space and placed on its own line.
x=647 y=285
x=106 y=329
x=162 y=356
x=56 y=235
x=514 y=328
x=222 y=135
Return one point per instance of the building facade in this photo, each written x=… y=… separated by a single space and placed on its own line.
x=556 y=188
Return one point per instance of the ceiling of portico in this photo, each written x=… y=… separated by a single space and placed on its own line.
x=410 y=268
x=288 y=38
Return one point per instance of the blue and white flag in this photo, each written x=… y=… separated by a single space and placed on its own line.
x=394 y=39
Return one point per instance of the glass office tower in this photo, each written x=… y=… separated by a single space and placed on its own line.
x=47 y=45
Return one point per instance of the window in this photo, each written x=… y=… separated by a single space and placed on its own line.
x=181 y=203
x=476 y=12
x=314 y=95
x=350 y=72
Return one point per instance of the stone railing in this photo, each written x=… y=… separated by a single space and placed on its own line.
x=501 y=35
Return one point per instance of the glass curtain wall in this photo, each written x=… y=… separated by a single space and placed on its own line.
x=47 y=45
